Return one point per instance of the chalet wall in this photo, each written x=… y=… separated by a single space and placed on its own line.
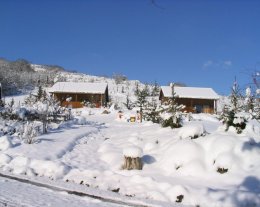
x=194 y=105
x=77 y=99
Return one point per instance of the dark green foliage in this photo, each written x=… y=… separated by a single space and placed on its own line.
x=141 y=100
x=179 y=198
x=229 y=119
x=39 y=93
x=222 y=170
x=171 y=123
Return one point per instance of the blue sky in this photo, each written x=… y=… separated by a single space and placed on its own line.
x=200 y=43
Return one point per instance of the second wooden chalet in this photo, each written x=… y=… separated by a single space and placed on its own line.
x=195 y=100
x=75 y=94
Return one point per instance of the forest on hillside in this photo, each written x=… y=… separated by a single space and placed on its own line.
x=19 y=76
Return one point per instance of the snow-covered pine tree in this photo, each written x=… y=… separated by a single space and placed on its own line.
x=155 y=89
x=128 y=104
x=256 y=82
x=231 y=115
x=141 y=96
x=249 y=101
x=39 y=93
x=172 y=111
x=152 y=112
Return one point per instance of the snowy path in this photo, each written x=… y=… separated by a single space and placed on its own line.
x=82 y=156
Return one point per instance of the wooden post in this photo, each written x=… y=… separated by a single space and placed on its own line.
x=215 y=106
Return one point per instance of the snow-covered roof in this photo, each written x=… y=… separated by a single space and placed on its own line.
x=190 y=92
x=78 y=87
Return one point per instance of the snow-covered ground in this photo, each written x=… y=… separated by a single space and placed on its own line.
x=15 y=194
x=218 y=168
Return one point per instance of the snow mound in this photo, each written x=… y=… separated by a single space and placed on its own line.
x=48 y=168
x=252 y=129
x=4 y=159
x=192 y=130
x=19 y=165
x=181 y=154
x=133 y=152
x=33 y=167
x=5 y=143
x=81 y=120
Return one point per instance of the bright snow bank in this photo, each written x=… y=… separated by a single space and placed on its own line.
x=5 y=143
x=191 y=130
x=24 y=165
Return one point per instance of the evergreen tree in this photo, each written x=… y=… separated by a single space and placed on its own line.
x=155 y=89
x=128 y=104
x=172 y=111
x=137 y=90
x=141 y=96
x=152 y=112
x=39 y=93
x=230 y=115
x=249 y=101
x=235 y=97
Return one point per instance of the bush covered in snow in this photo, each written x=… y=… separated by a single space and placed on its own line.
x=29 y=132
x=236 y=120
x=5 y=143
x=193 y=131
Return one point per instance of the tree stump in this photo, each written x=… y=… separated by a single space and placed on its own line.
x=132 y=158
x=132 y=163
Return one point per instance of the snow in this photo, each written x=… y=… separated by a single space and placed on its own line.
x=5 y=143
x=190 y=92
x=4 y=159
x=133 y=152
x=88 y=153
x=79 y=87
x=193 y=130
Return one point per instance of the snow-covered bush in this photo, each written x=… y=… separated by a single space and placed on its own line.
x=192 y=131
x=29 y=133
x=5 y=143
x=4 y=159
x=237 y=120
x=81 y=120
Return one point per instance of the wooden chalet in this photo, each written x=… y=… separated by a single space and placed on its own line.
x=195 y=100
x=74 y=94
